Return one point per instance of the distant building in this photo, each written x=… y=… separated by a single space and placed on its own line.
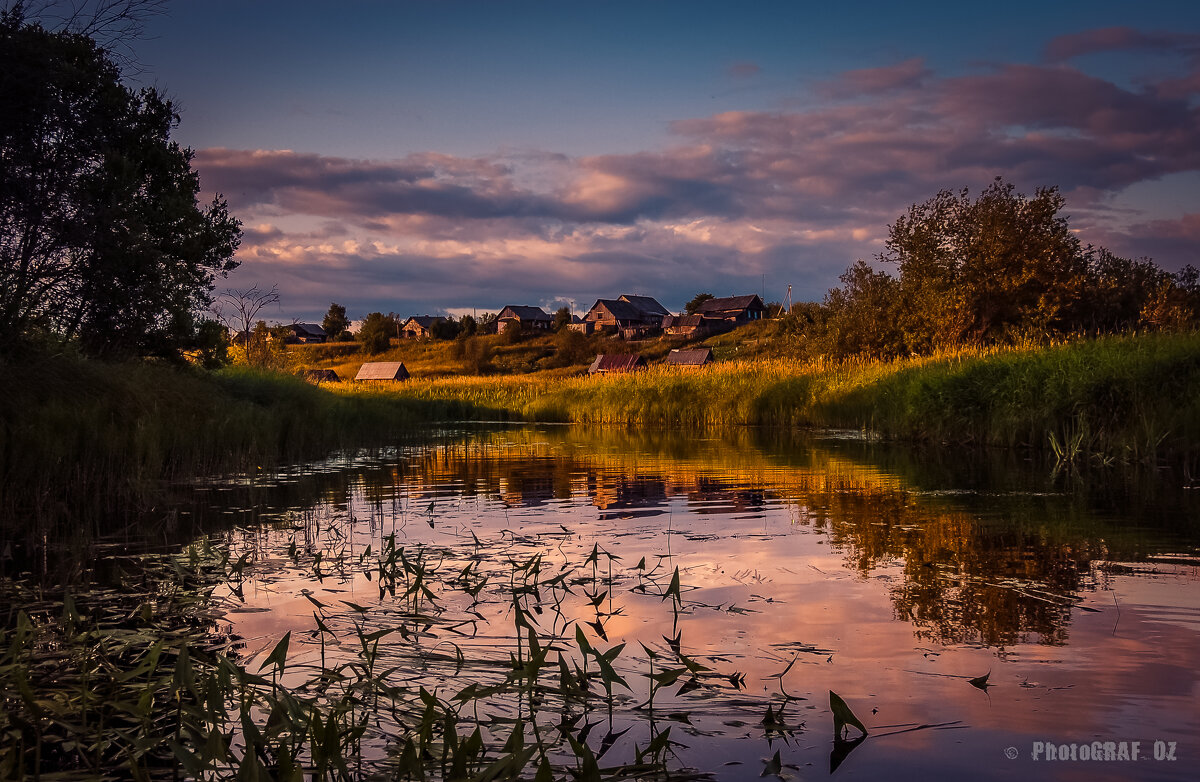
x=695 y=357
x=606 y=363
x=524 y=316
x=320 y=376
x=305 y=333
x=632 y=316
x=419 y=326
x=734 y=309
x=382 y=370
x=694 y=326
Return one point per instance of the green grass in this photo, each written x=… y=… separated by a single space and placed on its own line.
x=1134 y=398
x=86 y=442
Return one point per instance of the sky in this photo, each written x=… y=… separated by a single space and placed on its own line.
x=448 y=157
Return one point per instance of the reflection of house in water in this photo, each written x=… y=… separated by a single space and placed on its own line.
x=624 y=496
x=711 y=496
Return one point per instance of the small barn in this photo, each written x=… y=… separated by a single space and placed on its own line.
x=320 y=376
x=606 y=363
x=382 y=370
x=691 y=358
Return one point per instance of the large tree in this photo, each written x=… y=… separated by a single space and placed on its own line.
x=992 y=267
x=102 y=239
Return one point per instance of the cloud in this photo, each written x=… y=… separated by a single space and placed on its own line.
x=744 y=69
x=1114 y=39
x=794 y=195
x=877 y=81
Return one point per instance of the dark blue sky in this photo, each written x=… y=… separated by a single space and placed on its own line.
x=443 y=156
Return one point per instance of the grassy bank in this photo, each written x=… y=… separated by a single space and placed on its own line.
x=1122 y=398
x=83 y=440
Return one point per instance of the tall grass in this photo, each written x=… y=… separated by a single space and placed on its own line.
x=83 y=442
x=1133 y=398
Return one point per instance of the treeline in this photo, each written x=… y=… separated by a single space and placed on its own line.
x=999 y=269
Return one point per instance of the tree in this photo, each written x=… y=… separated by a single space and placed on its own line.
x=562 y=318
x=102 y=240
x=444 y=328
x=986 y=269
x=693 y=306
x=238 y=309
x=376 y=333
x=335 y=321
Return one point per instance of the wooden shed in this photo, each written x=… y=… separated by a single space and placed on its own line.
x=616 y=362
x=694 y=357
x=382 y=370
x=320 y=376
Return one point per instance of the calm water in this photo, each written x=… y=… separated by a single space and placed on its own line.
x=888 y=576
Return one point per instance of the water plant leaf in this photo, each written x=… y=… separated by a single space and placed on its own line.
x=843 y=716
x=278 y=655
x=980 y=682
x=773 y=766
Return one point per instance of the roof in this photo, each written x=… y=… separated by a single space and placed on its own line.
x=730 y=303
x=682 y=321
x=321 y=375
x=616 y=362
x=524 y=312
x=646 y=304
x=424 y=321
x=623 y=310
x=309 y=329
x=693 y=357
x=382 y=370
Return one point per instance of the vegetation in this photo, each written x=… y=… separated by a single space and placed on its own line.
x=102 y=241
x=1118 y=398
x=84 y=442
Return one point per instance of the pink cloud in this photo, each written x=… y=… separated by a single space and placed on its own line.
x=909 y=74
x=1111 y=39
x=797 y=195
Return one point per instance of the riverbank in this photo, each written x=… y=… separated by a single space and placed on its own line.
x=81 y=440
x=1117 y=399
x=89 y=442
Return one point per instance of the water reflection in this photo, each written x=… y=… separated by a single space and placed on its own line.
x=979 y=565
x=852 y=567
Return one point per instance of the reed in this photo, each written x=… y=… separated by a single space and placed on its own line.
x=1135 y=397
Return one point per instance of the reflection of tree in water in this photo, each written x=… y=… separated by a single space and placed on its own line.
x=966 y=581
x=973 y=573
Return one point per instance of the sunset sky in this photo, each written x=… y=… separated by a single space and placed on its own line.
x=433 y=157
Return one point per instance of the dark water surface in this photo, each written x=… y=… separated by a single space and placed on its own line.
x=805 y=565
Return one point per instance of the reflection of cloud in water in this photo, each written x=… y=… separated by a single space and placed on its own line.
x=889 y=596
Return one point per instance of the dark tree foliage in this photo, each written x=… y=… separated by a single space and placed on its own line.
x=102 y=240
x=376 y=332
x=335 y=321
x=562 y=318
x=693 y=306
x=444 y=328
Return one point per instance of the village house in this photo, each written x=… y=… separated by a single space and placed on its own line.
x=734 y=309
x=419 y=326
x=304 y=333
x=694 y=326
x=632 y=316
x=690 y=358
x=526 y=317
x=382 y=370
x=606 y=363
